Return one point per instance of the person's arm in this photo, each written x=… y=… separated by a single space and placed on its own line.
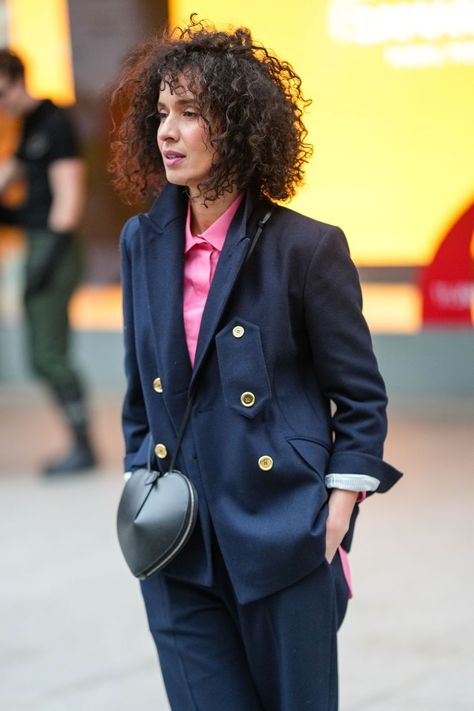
x=10 y=172
x=67 y=183
x=341 y=505
x=348 y=375
x=134 y=418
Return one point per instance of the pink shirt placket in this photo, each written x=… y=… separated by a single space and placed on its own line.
x=201 y=254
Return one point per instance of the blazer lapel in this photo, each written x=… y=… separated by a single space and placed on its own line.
x=233 y=254
x=163 y=230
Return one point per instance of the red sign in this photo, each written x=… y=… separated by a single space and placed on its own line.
x=447 y=284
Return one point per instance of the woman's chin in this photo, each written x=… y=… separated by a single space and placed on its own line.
x=174 y=178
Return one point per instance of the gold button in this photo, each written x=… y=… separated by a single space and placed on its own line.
x=157 y=386
x=247 y=399
x=161 y=451
x=265 y=462
x=238 y=331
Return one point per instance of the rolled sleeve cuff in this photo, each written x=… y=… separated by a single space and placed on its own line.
x=352 y=482
x=342 y=462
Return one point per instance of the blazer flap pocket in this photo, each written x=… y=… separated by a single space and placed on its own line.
x=314 y=453
x=242 y=367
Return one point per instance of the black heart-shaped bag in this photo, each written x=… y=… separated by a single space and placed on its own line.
x=155 y=519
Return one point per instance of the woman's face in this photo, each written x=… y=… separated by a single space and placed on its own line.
x=183 y=139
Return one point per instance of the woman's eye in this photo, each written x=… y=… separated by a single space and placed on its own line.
x=190 y=114
x=161 y=116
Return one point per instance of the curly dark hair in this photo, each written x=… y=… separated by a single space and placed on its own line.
x=251 y=102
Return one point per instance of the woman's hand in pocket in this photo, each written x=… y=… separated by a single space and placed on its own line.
x=341 y=504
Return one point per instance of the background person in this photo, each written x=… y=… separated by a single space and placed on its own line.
x=48 y=161
x=245 y=617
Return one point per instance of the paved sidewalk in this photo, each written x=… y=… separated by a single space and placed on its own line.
x=73 y=632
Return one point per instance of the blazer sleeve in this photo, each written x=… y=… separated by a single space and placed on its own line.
x=345 y=363
x=134 y=418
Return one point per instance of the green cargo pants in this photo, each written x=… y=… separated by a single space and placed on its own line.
x=47 y=320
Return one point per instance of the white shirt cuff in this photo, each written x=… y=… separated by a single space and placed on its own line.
x=352 y=482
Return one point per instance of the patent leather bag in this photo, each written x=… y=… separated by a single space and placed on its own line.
x=157 y=511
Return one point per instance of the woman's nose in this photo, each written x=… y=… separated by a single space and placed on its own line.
x=168 y=128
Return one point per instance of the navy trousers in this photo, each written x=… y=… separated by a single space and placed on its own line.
x=276 y=654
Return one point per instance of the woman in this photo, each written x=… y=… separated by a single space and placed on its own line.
x=245 y=617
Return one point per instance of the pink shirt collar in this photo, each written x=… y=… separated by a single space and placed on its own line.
x=216 y=233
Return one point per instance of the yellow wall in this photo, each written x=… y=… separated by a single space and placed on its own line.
x=394 y=145
x=39 y=31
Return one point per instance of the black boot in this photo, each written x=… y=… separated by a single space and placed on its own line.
x=80 y=458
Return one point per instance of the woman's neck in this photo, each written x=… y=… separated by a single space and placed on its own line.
x=204 y=215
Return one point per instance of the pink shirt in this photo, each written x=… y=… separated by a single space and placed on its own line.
x=201 y=254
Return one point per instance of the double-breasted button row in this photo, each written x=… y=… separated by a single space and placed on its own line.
x=157 y=386
x=161 y=450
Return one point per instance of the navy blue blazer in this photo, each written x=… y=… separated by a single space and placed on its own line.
x=258 y=460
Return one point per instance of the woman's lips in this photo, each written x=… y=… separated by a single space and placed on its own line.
x=172 y=158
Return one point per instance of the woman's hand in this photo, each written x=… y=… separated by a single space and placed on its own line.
x=341 y=503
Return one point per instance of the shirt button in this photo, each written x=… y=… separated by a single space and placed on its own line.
x=161 y=451
x=238 y=331
x=247 y=399
x=157 y=386
x=265 y=463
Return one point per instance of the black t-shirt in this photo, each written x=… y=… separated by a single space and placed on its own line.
x=47 y=136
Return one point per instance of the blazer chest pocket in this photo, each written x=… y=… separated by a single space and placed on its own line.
x=242 y=367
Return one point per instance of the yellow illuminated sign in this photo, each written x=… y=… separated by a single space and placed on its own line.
x=39 y=32
x=392 y=84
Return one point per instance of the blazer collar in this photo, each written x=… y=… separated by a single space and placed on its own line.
x=164 y=229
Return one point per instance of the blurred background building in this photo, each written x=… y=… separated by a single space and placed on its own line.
x=391 y=123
